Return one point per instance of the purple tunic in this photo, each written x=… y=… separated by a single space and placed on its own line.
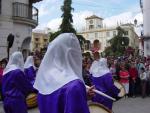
x=71 y=98
x=15 y=88
x=106 y=85
x=30 y=73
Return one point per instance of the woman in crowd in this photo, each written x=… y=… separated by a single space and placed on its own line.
x=15 y=86
x=103 y=81
x=59 y=79
x=124 y=78
x=143 y=78
x=133 y=77
x=29 y=69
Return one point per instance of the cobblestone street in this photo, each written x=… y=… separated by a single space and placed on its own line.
x=129 y=105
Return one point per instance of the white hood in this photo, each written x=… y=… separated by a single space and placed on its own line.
x=99 y=68
x=15 y=62
x=61 y=64
x=29 y=62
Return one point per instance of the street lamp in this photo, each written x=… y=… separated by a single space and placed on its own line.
x=141 y=5
x=135 y=22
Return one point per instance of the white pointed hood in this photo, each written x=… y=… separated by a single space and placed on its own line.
x=99 y=68
x=15 y=62
x=29 y=62
x=61 y=64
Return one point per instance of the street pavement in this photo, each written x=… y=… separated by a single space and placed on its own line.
x=125 y=105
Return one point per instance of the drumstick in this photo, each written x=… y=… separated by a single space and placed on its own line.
x=101 y=93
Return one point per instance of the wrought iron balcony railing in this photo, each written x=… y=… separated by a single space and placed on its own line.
x=26 y=12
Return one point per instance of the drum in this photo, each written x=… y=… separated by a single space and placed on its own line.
x=31 y=100
x=98 y=108
x=121 y=87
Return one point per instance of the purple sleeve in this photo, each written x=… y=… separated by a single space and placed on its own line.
x=76 y=100
x=111 y=87
x=23 y=84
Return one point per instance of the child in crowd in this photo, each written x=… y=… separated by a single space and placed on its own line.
x=133 y=76
x=124 y=78
x=143 y=78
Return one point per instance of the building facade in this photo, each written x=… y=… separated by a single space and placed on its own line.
x=146 y=20
x=17 y=17
x=95 y=30
x=39 y=41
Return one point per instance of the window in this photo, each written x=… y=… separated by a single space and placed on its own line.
x=87 y=45
x=108 y=34
x=91 y=26
x=126 y=33
x=96 y=35
x=36 y=45
x=99 y=26
x=45 y=40
x=87 y=35
x=36 y=39
x=91 y=21
x=114 y=33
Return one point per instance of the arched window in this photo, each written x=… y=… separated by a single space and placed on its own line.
x=87 y=45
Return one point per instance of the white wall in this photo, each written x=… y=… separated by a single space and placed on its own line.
x=7 y=26
x=146 y=13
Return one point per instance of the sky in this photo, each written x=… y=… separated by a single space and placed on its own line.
x=113 y=11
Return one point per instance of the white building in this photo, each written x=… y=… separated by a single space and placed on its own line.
x=146 y=17
x=96 y=30
x=18 y=17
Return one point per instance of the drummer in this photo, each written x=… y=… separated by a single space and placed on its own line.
x=59 y=78
x=15 y=85
x=103 y=81
x=30 y=69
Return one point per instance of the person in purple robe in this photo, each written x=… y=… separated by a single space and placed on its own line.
x=103 y=81
x=15 y=86
x=59 y=78
x=29 y=69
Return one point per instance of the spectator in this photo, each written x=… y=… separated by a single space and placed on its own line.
x=133 y=76
x=124 y=79
x=143 y=78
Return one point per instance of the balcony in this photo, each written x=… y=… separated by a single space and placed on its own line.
x=25 y=14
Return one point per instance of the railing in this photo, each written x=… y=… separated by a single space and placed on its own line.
x=25 y=11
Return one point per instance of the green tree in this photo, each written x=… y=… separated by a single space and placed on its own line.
x=118 y=43
x=66 y=26
x=52 y=36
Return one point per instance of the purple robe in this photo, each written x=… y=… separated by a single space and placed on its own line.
x=106 y=85
x=30 y=73
x=71 y=98
x=15 y=88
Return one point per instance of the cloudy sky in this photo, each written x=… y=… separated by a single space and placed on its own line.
x=112 y=11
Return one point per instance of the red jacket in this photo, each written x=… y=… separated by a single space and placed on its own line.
x=133 y=73
x=124 y=76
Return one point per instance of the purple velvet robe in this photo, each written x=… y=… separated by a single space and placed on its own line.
x=71 y=98
x=106 y=85
x=15 y=88
x=30 y=73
